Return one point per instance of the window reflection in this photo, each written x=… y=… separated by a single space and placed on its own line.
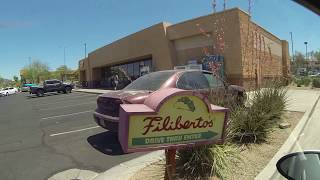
x=126 y=72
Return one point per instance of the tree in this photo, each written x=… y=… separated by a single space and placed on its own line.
x=62 y=71
x=316 y=54
x=15 y=78
x=35 y=72
x=16 y=81
x=299 y=60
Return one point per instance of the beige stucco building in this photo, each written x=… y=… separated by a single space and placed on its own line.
x=251 y=54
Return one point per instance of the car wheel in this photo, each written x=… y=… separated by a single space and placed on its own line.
x=68 y=90
x=40 y=93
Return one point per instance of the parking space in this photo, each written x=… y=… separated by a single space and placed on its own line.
x=59 y=131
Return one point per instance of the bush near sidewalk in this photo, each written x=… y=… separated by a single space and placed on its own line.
x=246 y=125
x=302 y=81
x=252 y=124
x=205 y=162
x=316 y=82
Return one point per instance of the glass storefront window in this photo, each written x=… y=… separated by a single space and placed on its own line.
x=148 y=63
x=130 y=69
x=124 y=68
x=136 y=70
x=126 y=72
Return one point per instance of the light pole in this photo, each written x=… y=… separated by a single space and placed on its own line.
x=306 y=43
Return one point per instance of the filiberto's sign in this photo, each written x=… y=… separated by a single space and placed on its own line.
x=171 y=118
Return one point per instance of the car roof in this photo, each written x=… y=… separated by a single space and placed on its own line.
x=185 y=70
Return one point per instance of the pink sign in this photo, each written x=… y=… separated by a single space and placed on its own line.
x=171 y=118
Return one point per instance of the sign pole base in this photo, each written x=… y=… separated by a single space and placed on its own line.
x=170 y=164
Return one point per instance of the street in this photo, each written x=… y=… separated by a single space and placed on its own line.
x=41 y=136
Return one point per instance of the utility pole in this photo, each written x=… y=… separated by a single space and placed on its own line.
x=64 y=56
x=64 y=63
x=85 y=50
x=292 y=46
x=29 y=58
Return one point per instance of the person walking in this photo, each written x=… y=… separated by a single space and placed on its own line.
x=116 y=81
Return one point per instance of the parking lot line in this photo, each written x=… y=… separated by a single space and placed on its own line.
x=59 y=107
x=66 y=98
x=79 y=130
x=64 y=115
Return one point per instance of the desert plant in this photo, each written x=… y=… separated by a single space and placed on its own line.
x=251 y=124
x=303 y=81
x=316 y=82
x=204 y=162
x=306 y=81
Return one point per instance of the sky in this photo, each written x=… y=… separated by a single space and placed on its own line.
x=42 y=29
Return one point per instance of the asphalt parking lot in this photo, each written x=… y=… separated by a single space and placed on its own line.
x=40 y=136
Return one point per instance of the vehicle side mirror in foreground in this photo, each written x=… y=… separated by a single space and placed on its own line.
x=300 y=165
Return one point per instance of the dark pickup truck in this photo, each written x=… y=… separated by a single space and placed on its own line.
x=51 y=86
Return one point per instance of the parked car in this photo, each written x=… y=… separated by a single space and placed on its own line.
x=107 y=113
x=315 y=75
x=51 y=86
x=26 y=87
x=8 y=91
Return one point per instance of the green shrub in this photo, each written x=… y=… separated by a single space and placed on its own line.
x=204 y=162
x=305 y=81
x=252 y=124
x=316 y=82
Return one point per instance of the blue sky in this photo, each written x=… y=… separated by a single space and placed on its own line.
x=41 y=29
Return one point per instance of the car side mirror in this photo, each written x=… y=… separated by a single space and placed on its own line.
x=300 y=165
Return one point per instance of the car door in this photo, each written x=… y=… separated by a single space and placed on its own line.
x=194 y=80
x=56 y=85
x=6 y=91
x=48 y=86
x=11 y=90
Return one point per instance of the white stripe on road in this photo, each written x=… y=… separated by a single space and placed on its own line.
x=79 y=130
x=64 y=115
x=63 y=100
x=93 y=102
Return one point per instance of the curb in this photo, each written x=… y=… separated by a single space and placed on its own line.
x=270 y=171
x=126 y=170
x=89 y=92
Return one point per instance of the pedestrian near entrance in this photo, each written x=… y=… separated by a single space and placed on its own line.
x=115 y=81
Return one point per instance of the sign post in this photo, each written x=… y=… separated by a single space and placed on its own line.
x=170 y=119
x=170 y=164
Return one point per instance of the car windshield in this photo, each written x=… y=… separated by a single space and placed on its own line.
x=150 y=82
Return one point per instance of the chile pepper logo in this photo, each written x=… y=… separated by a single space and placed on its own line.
x=185 y=103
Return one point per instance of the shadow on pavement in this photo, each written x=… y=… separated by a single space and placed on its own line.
x=31 y=96
x=106 y=143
